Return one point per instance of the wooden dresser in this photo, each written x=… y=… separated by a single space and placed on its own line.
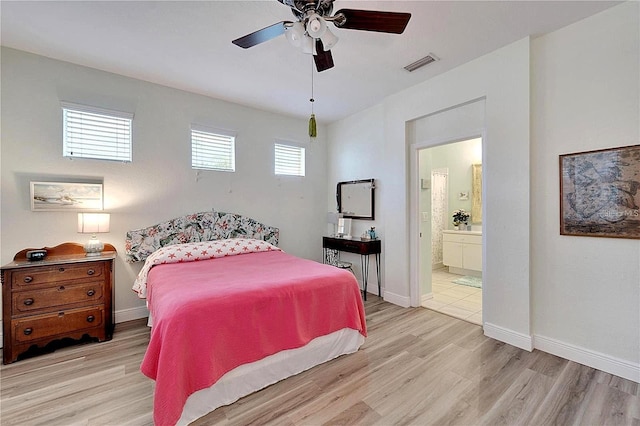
x=66 y=295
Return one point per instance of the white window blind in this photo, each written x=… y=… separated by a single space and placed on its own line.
x=97 y=133
x=289 y=160
x=213 y=149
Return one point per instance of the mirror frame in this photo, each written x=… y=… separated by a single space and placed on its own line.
x=476 y=191
x=339 y=191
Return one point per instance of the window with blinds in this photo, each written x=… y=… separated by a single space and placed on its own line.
x=213 y=149
x=96 y=133
x=289 y=160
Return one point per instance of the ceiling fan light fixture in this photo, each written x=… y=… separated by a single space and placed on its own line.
x=329 y=39
x=295 y=34
x=308 y=45
x=316 y=26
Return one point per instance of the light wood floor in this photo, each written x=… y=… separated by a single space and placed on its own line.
x=416 y=367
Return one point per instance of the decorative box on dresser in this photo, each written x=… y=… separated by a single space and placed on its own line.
x=65 y=295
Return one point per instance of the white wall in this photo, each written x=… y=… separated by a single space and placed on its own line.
x=159 y=184
x=585 y=96
x=583 y=80
x=506 y=174
x=355 y=154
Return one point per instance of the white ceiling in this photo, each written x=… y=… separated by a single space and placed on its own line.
x=187 y=45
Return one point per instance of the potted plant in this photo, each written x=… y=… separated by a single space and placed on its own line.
x=460 y=217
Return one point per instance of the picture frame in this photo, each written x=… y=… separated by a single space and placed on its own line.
x=599 y=193
x=66 y=196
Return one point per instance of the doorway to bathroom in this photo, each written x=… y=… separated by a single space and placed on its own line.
x=450 y=204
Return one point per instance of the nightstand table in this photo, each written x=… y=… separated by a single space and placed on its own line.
x=66 y=295
x=362 y=247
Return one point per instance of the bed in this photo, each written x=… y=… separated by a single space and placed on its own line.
x=233 y=313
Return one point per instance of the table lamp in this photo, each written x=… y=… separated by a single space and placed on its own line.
x=92 y=223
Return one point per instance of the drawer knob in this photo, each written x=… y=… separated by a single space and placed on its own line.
x=61 y=269
x=91 y=292
x=28 y=279
x=90 y=318
x=28 y=301
x=61 y=288
x=28 y=331
x=91 y=271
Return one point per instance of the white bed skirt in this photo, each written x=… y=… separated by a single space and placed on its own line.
x=249 y=378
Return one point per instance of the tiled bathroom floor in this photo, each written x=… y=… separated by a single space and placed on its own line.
x=459 y=301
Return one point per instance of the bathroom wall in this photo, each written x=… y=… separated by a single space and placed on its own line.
x=458 y=158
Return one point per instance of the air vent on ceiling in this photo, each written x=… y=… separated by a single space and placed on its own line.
x=422 y=62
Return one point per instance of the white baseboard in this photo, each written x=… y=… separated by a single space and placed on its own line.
x=506 y=335
x=396 y=299
x=425 y=297
x=130 y=314
x=461 y=271
x=600 y=361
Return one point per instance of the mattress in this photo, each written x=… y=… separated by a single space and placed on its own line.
x=225 y=327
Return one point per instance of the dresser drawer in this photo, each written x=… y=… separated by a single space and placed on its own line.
x=56 y=297
x=462 y=238
x=43 y=326
x=352 y=246
x=45 y=275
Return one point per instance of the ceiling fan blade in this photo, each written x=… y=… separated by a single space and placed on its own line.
x=372 y=20
x=323 y=59
x=260 y=36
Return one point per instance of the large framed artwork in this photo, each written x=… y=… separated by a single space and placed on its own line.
x=599 y=193
x=58 y=196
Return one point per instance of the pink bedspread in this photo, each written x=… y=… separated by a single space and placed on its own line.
x=211 y=316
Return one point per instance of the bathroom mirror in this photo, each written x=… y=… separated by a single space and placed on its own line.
x=356 y=199
x=476 y=193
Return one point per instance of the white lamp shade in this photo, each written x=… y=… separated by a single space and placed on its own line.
x=329 y=39
x=308 y=45
x=295 y=34
x=91 y=223
x=332 y=218
x=316 y=26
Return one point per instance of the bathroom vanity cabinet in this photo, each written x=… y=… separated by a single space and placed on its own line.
x=462 y=250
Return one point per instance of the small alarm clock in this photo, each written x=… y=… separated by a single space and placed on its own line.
x=36 y=254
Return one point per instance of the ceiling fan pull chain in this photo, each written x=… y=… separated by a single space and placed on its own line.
x=312 y=120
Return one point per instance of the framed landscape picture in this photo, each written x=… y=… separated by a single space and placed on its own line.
x=57 y=196
x=599 y=193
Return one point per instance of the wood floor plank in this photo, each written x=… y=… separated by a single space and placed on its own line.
x=519 y=402
x=417 y=367
x=568 y=399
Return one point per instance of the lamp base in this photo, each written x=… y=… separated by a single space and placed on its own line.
x=93 y=247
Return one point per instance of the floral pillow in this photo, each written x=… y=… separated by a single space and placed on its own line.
x=193 y=228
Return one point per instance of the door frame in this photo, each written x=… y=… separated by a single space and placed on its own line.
x=415 y=292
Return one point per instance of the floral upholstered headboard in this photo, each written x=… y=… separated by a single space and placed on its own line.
x=192 y=228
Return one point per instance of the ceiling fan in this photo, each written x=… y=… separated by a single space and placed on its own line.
x=310 y=31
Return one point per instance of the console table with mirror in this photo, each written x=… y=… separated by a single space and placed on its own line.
x=362 y=247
